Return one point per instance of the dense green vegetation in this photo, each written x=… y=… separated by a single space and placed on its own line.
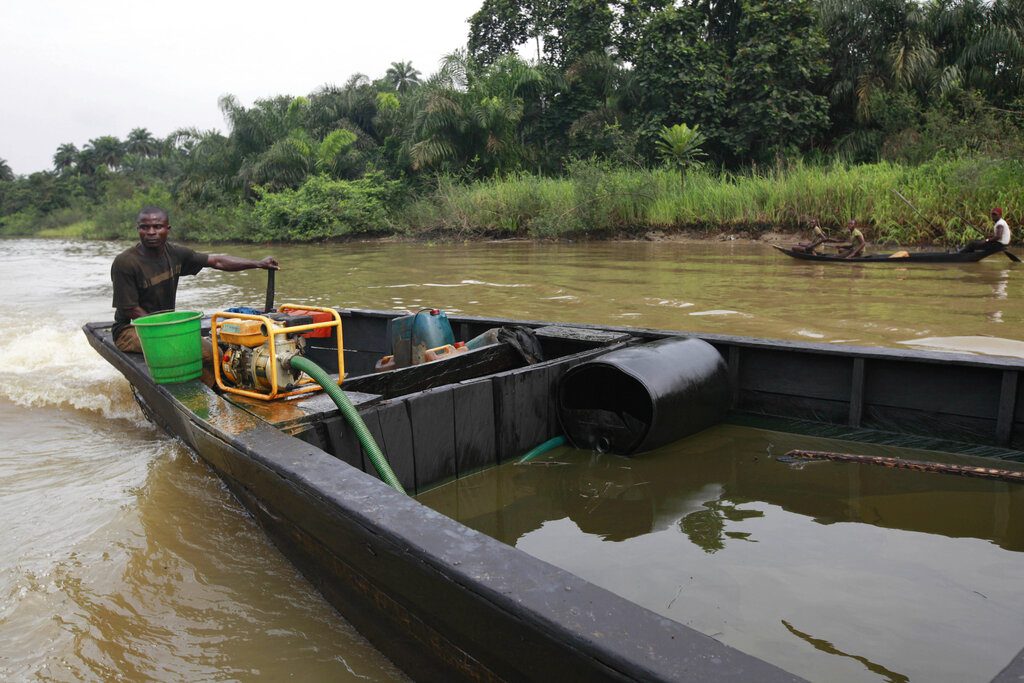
x=593 y=199
x=631 y=115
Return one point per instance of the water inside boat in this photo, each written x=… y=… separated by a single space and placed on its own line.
x=832 y=571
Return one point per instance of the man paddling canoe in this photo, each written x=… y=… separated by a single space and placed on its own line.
x=818 y=237
x=855 y=246
x=997 y=241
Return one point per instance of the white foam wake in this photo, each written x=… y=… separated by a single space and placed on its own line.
x=55 y=366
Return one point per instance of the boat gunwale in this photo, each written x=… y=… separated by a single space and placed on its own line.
x=765 y=343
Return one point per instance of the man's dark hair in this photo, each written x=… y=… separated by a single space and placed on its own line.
x=152 y=211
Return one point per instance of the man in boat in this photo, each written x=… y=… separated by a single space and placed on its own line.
x=997 y=241
x=855 y=246
x=145 y=278
x=818 y=237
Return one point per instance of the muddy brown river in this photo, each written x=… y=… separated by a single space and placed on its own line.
x=123 y=558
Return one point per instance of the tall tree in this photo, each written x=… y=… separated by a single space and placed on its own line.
x=579 y=28
x=106 y=150
x=65 y=157
x=680 y=76
x=774 y=72
x=402 y=76
x=6 y=174
x=142 y=143
x=471 y=115
x=501 y=26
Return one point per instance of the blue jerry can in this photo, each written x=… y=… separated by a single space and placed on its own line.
x=412 y=335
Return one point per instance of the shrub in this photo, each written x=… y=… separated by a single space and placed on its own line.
x=116 y=218
x=215 y=223
x=322 y=208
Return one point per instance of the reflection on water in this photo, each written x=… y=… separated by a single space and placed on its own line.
x=832 y=571
x=829 y=648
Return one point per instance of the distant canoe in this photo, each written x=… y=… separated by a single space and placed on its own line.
x=911 y=257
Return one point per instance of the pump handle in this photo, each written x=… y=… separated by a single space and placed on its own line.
x=270 y=291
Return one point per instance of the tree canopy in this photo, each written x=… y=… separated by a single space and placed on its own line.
x=542 y=84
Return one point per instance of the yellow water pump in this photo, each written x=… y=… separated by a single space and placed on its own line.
x=255 y=351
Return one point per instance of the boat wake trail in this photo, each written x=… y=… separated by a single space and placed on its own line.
x=991 y=346
x=55 y=366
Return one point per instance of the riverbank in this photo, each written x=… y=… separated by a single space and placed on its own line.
x=943 y=202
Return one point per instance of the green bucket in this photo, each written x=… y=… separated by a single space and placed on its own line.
x=172 y=344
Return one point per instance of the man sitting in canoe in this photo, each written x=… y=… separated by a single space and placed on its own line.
x=145 y=278
x=997 y=241
x=818 y=237
x=855 y=246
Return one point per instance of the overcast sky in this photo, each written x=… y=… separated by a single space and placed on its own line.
x=72 y=70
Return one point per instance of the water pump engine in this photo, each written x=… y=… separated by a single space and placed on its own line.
x=255 y=351
x=249 y=366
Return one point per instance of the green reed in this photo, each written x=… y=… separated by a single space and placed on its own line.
x=594 y=199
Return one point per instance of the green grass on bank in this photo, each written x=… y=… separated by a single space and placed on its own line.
x=592 y=200
x=597 y=201
x=76 y=230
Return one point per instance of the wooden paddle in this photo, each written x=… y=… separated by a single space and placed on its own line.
x=907 y=202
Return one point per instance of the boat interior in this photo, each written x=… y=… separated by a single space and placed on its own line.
x=440 y=420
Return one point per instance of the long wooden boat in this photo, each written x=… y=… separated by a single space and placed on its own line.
x=909 y=257
x=445 y=602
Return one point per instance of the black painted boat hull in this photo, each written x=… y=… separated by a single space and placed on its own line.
x=448 y=603
x=911 y=257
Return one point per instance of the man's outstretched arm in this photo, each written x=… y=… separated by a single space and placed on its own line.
x=233 y=263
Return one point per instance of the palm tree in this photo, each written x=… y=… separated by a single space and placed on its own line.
x=438 y=127
x=402 y=76
x=983 y=45
x=142 y=143
x=106 y=150
x=464 y=113
x=6 y=174
x=65 y=157
x=210 y=164
x=86 y=163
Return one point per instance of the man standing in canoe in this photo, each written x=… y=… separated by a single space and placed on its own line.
x=145 y=276
x=856 y=245
x=998 y=240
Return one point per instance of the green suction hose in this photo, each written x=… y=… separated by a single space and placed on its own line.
x=350 y=414
x=548 y=445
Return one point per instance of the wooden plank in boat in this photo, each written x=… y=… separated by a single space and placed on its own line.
x=473 y=403
x=397 y=443
x=962 y=428
x=581 y=334
x=485 y=361
x=521 y=409
x=290 y=414
x=344 y=444
x=953 y=390
x=372 y=421
x=796 y=407
x=432 y=414
x=807 y=374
